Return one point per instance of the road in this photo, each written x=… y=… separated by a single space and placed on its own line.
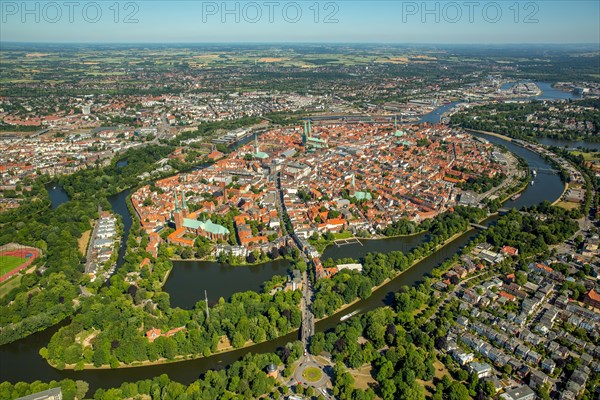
x=88 y=257
x=161 y=130
x=451 y=295
x=308 y=321
x=307 y=328
x=512 y=175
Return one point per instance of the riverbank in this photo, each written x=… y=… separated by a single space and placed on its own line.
x=398 y=274
x=27 y=365
x=509 y=139
x=498 y=135
x=383 y=237
x=333 y=249
x=555 y=202
x=510 y=194
x=190 y=357
x=214 y=260
x=162 y=361
x=517 y=190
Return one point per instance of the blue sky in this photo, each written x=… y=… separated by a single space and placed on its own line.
x=155 y=21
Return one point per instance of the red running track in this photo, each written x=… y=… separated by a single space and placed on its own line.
x=19 y=253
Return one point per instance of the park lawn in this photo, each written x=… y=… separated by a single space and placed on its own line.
x=343 y=235
x=567 y=205
x=322 y=243
x=224 y=343
x=440 y=371
x=362 y=377
x=7 y=286
x=8 y=263
x=587 y=156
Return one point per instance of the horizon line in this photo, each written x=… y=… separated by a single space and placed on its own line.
x=317 y=43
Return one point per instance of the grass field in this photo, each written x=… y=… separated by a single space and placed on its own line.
x=362 y=377
x=8 y=263
x=587 y=156
x=312 y=374
x=83 y=241
x=9 y=285
x=567 y=205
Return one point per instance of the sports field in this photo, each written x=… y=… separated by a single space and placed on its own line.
x=8 y=263
x=15 y=260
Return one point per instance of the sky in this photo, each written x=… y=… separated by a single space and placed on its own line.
x=342 y=21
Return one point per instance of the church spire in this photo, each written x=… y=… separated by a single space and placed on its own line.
x=183 y=202
x=304 y=134
x=176 y=202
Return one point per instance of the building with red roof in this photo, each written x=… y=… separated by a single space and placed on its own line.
x=592 y=298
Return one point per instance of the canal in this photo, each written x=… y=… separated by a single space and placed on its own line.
x=118 y=202
x=20 y=361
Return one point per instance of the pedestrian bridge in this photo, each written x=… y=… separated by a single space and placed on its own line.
x=479 y=226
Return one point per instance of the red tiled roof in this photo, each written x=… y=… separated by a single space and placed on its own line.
x=592 y=294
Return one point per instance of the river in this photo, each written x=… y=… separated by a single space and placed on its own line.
x=569 y=144
x=548 y=92
x=189 y=279
x=20 y=361
x=435 y=116
x=118 y=202
x=366 y=246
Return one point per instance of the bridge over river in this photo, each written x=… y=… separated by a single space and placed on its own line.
x=20 y=360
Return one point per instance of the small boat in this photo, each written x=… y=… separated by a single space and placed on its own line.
x=532 y=182
x=347 y=316
x=516 y=196
x=534 y=172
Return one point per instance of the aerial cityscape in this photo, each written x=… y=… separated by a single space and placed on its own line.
x=291 y=200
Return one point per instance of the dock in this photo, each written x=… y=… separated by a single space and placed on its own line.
x=344 y=242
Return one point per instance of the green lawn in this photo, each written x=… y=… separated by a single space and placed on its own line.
x=8 y=263
x=312 y=374
x=587 y=156
x=343 y=235
x=9 y=285
x=321 y=243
